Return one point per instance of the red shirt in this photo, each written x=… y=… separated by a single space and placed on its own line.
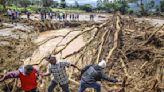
x=28 y=82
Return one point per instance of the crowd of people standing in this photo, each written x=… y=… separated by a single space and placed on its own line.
x=13 y=15
x=59 y=16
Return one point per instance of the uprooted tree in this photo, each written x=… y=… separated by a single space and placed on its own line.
x=133 y=52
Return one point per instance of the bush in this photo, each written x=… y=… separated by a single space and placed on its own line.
x=33 y=9
x=24 y=10
x=1 y=8
x=162 y=14
x=162 y=6
x=45 y=9
x=130 y=11
x=86 y=7
x=13 y=7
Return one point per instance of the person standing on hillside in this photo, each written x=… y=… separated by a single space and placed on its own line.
x=42 y=16
x=28 y=14
x=27 y=75
x=9 y=13
x=58 y=69
x=13 y=16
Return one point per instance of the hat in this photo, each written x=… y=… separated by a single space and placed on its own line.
x=28 y=68
x=49 y=57
x=102 y=64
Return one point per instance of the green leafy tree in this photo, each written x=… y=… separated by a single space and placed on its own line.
x=119 y=5
x=99 y=4
x=105 y=1
x=55 y=4
x=76 y=4
x=24 y=3
x=150 y=5
x=123 y=6
x=47 y=3
x=162 y=5
x=3 y=2
x=63 y=3
x=86 y=7
x=109 y=7
x=36 y=2
x=142 y=8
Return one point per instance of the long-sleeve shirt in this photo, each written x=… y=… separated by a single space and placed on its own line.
x=12 y=74
x=93 y=73
x=58 y=71
x=15 y=74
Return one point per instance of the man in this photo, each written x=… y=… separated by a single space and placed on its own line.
x=92 y=73
x=9 y=13
x=58 y=69
x=28 y=77
x=42 y=16
x=13 y=16
x=28 y=14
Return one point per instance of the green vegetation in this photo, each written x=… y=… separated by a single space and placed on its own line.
x=63 y=4
x=47 y=3
x=2 y=2
x=37 y=9
x=86 y=7
x=1 y=8
x=121 y=6
x=20 y=9
x=162 y=5
x=102 y=6
x=67 y=10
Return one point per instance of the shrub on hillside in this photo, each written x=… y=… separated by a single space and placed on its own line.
x=1 y=8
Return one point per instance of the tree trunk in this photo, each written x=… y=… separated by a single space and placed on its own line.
x=142 y=8
x=4 y=5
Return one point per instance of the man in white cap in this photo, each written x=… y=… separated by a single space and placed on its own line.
x=93 y=73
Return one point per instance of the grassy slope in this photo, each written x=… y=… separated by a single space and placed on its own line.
x=68 y=10
x=53 y=9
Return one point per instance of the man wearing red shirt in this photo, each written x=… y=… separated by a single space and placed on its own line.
x=28 y=77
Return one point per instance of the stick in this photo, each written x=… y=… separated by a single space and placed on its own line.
x=125 y=68
x=86 y=44
x=143 y=65
x=115 y=38
x=87 y=30
x=74 y=39
x=15 y=83
x=123 y=55
x=8 y=89
x=152 y=26
x=74 y=82
x=101 y=46
x=65 y=37
x=148 y=40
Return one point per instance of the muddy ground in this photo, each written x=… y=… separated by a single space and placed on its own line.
x=135 y=55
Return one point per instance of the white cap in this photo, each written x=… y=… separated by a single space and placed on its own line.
x=102 y=63
x=53 y=55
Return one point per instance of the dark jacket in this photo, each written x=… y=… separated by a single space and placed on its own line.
x=93 y=73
